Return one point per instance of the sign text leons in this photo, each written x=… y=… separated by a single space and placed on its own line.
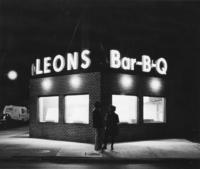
x=72 y=61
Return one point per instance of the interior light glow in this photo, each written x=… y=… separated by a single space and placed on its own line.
x=155 y=84
x=77 y=109
x=126 y=81
x=75 y=81
x=47 y=84
x=126 y=108
x=51 y=115
x=154 y=109
x=12 y=75
x=48 y=109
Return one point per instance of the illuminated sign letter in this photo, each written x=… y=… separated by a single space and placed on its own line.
x=146 y=63
x=86 y=59
x=126 y=63
x=133 y=61
x=72 y=61
x=161 y=66
x=32 y=69
x=58 y=67
x=47 y=65
x=115 y=59
x=38 y=70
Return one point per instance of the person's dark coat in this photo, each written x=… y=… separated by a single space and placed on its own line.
x=97 y=119
x=112 y=120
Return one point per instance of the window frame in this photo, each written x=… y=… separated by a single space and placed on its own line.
x=138 y=108
x=165 y=112
x=38 y=109
x=65 y=108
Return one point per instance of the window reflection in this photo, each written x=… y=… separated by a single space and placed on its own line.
x=48 y=109
x=154 y=109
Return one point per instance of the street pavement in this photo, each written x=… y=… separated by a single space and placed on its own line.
x=15 y=144
x=49 y=165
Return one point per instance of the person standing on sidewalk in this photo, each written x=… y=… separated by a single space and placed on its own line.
x=98 y=125
x=111 y=128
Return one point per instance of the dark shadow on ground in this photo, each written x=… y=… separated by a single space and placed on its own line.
x=11 y=124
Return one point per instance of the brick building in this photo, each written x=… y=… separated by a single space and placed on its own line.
x=61 y=102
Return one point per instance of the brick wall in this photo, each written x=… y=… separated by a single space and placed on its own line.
x=90 y=84
x=112 y=84
x=101 y=87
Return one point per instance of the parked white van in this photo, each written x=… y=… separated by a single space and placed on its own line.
x=16 y=113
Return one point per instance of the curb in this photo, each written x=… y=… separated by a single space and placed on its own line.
x=66 y=160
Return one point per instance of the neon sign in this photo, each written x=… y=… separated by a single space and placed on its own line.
x=126 y=63
x=60 y=63
x=82 y=60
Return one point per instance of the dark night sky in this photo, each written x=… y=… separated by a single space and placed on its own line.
x=39 y=28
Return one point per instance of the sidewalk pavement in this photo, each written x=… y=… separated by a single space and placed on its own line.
x=19 y=147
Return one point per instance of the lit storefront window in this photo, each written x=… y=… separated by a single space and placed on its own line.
x=126 y=108
x=154 y=109
x=48 y=109
x=77 y=109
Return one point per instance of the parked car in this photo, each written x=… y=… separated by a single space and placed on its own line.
x=18 y=113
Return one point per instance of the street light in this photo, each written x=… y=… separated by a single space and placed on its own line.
x=12 y=75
